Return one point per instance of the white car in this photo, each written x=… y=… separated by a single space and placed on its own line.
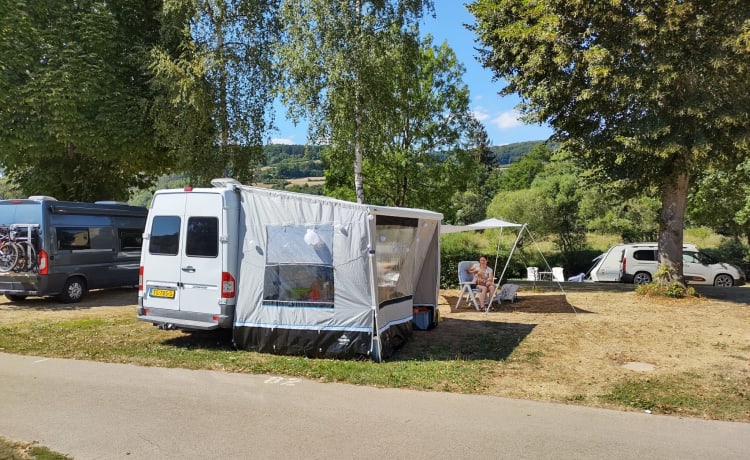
x=636 y=263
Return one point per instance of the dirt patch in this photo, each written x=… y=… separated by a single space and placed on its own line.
x=97 y=303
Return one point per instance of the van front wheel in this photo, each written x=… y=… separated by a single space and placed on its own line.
x=724 y=281
x=73 y=291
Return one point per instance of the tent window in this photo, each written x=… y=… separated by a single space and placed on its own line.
x=394 y=241
x=299 y=266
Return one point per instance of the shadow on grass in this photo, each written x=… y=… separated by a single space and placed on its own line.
x=453 y=339
x=216 y=340
x=463 y=339
x=736 y=294
x=117 y=297
x=526 y=303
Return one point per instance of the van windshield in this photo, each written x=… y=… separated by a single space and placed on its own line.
x=14 y=213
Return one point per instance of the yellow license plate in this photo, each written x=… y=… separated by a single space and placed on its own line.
x=164 y=293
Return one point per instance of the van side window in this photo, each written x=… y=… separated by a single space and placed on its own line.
x=202 y=237
x=131 y=239
x=645 y=254
x=165 y=235
x=69 y=238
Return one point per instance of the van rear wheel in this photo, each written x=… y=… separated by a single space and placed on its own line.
x=73 y=291
x=642 y=278
x=15 y=297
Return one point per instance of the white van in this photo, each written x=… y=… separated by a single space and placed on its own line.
x=636 y=263
x=185 y=278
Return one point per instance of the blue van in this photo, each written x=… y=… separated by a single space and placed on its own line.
x=64 y=248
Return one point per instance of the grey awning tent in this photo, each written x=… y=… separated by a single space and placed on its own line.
x=330 y=278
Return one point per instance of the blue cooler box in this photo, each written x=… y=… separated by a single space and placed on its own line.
x=422 y=318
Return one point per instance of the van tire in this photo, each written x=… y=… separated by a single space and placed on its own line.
x=15 y=297
x=642 y=278
x=724 y=280
x=73 y=290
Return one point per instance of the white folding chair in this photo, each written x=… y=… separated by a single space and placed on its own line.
x=465 y=280
x=507 y=292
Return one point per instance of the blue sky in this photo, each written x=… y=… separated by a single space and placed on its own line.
x=497 y=113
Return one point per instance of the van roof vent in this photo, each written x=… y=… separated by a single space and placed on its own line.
x=42 y=198
x=224 y=182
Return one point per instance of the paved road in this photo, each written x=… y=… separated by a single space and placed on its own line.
x=93 y=410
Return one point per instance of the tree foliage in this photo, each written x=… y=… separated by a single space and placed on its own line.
x=648 y=93
x=215 y=78
x=75 y=97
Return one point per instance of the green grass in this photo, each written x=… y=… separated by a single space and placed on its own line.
x=14 y=450
x=126 y=340
x=711 y=396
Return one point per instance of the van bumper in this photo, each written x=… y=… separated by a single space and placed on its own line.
x=27 y=284
x=188 y=321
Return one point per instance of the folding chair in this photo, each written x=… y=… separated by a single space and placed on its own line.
x=465 y=280
x=507 y=292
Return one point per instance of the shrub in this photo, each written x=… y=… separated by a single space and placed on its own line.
x=674 y=290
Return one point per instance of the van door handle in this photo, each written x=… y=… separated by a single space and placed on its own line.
x=188 y=269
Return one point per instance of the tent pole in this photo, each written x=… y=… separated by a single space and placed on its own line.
x=497 y=250
x=510 y=254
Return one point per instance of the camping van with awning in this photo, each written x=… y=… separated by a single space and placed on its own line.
x=290 y=273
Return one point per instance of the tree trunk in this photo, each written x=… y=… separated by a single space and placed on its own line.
x=358 y=156
x=671 y=228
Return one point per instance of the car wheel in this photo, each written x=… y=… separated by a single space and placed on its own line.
x=642 y=278
x=73 y=291
x=724 y=280
x=15 y=297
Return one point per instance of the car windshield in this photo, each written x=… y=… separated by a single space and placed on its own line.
x=696 y=257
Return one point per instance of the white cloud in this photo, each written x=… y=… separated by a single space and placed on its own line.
x=507 y=120
x=480 y=113
x=279 y=140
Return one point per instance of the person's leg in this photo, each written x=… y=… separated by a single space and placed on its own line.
x=482 y=294
x=492 y=290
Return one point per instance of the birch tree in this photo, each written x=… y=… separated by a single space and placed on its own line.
x=332 y=54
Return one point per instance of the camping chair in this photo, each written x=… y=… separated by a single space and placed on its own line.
x=507 y=292
x=465 y=280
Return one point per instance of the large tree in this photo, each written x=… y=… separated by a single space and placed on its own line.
x=215 y=79
x=335 y=57
x=647 y=92
x=74 y=97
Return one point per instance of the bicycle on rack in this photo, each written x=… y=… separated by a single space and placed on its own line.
x=17 y=250
x=8 y=251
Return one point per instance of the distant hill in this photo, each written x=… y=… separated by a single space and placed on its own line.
x=297 y=161
x=507 y=154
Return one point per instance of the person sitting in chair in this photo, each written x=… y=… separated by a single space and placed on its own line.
x=484 y=280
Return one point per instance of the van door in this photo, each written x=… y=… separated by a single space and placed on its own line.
x=610 y=267
x=184 y=262
x=695 y=270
